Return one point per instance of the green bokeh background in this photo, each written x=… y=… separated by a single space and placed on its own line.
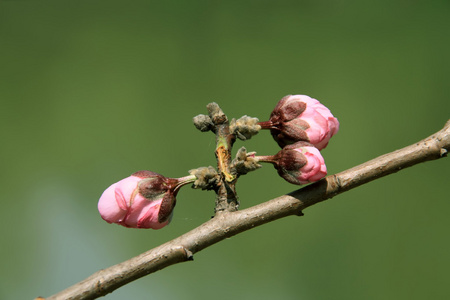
x=92 y=91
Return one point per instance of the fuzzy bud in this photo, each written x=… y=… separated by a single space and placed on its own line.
x=207 y=178
x=301 y=118
x=244 y=162
x=203 y=123
x=245 y=127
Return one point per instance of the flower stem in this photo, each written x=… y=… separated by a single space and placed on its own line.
x=266 y=125
x=182 y=181
x=266 y=158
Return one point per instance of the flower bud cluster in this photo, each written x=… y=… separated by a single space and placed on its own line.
x=301 y=126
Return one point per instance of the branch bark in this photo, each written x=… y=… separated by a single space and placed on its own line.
x=226 y=224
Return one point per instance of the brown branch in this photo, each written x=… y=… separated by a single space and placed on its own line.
x=227 y=224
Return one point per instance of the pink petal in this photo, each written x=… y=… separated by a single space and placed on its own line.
x=108 y=207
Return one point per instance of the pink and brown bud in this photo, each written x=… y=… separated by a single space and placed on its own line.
x=301 y=118
x=298 y=163
x=143 y=200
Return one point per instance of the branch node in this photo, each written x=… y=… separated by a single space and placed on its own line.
x=189 y=254
x=443 y=152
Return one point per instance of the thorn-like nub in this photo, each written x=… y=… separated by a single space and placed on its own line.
x=189 y=254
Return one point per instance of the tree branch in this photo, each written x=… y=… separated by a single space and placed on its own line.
x=226 y=224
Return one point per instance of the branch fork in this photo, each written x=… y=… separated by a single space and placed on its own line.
x=229 y=222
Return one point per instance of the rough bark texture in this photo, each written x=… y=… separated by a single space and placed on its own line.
x=227 y=224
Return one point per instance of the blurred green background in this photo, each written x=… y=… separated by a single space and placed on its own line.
x=92 y=91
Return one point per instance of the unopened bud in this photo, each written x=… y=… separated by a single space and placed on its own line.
x=301 y=118
x=298 y=163
x=207 y=178
x=203 y=122
x=244 y=162
x=245 y=127
x=143 y=200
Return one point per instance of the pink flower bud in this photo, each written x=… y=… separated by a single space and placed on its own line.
x=298 y=163
x=143 y=200
x=301 y=118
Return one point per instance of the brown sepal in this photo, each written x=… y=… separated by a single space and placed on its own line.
x=167 y=206
x=292 y=110
x=145 y=174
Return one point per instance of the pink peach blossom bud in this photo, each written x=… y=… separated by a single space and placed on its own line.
x=143 y=200
x=298 y=163
x=301 y=118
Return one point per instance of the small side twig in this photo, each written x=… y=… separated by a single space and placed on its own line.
x=226 y=199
